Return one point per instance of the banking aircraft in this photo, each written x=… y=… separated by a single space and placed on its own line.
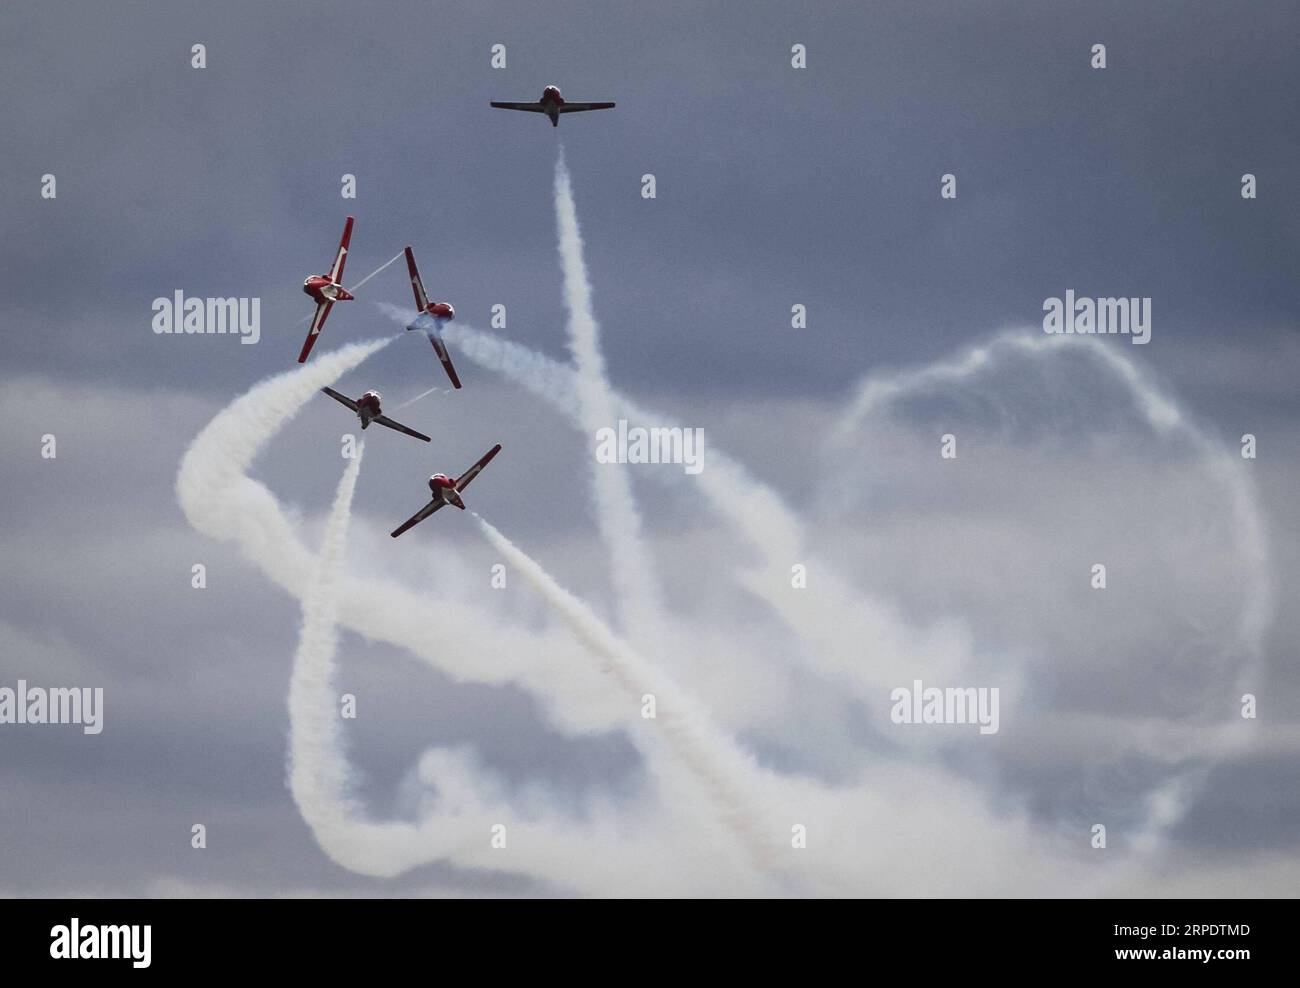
x=553 y=104
x=433 y=316
x=368 y=410
x=326 y=289
x=447 y=491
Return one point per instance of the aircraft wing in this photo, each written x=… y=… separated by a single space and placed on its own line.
x=441 y=350
x=530 y=107
x=336 y=269
x=579 y=107
x=342 y=399
x=417 y=286
x=418 y=517
x=385 y=420
x=318 y=321
x=463 y=480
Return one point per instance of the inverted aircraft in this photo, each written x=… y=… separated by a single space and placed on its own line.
x=325 y=290
x=431 y=318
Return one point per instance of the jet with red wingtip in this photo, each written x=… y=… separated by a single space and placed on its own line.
x=446 y=491
x=368 y=410
x=432 y=317
x=326 y=289
x=553 y=104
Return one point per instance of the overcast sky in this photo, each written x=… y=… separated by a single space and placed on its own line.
x=775 y=186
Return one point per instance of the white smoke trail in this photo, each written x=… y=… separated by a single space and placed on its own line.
x=353 y=290
x=412 y=401
x=632 y=569
x=724 y=770
x=317 y=762
x=605 y=854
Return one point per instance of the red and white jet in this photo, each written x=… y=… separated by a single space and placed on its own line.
x=368 y=410
x=447 y=491
x=553 y=104
x=327 y=289
x=433 y=316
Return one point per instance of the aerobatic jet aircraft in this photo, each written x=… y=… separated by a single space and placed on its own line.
x=447 y=491
x=553 y=104
x=368 y=410
x=433 y=316
x=327 y=289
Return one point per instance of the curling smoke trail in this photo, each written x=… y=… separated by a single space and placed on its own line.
x=318 y=775
x=632 y=568
x=720 y=766
x=222 y=502
x=1168 y=803
x=1161 y=414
